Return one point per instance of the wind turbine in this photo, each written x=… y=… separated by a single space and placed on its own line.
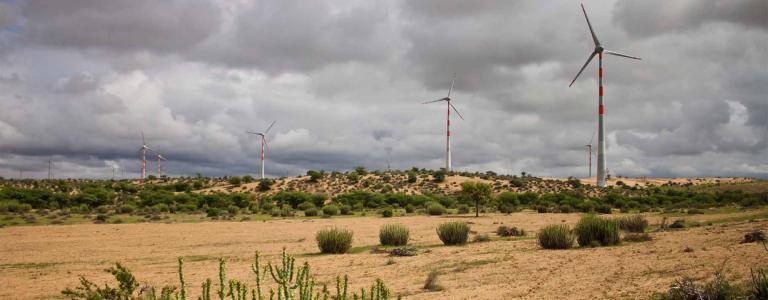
x=449 y=106
x=263 y=144
x=589 y=149
x=159 y=169
x=143 y=156
x=599 y=50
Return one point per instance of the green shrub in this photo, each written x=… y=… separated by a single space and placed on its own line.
x=331 y=210
x=758 y=286
x=637 y=237
x=556 y=236
x=505 y=230
x=595 y=231
x=603 y=209
x=310 y=212
x=387 y=212
x=679 y=223
x=334 y=240
x=393 y=235
x=633 y=223
x=409 y=209
x=453 y=233
x=481 y=238
x=305 y=205
x=463 y=209
x=435 y=209
x=345 y=209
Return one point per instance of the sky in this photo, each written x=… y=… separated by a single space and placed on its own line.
x=345 y=81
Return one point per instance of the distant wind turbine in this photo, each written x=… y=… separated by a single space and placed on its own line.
x=599 y=50
x=450 y=106
x=589 y=149
x=159 y=169
x=143 y=156
x=263 y=144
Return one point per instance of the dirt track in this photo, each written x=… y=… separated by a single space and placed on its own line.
x=38 y=262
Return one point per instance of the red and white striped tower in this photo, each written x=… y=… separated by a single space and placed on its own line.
x=264 y=145
x=263 y=141
x=143 y=163
x=599 y=50
x=600 y=124
x=450 y=106
x=448 y=139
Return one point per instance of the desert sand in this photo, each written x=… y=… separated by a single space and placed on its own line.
x=37 y=262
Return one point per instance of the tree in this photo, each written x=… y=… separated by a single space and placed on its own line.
x=440 y=175
x=234 y=180
x=360 y=170
x=477 y=192
x=265 y=184
x=314 y=176
x=247 y=179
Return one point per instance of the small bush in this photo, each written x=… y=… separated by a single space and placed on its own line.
x=637 y=237
x=435 y=209
x=758 y=286
x=431 y=283
x=463 y=209
x=394 y=235
x=504 y=230
x=387 y=212
x=345 y=210
x=305 y=205
x=695 y=211
x=595 y=231
x=310 y=212
x=409 y=209
x=634 y=223
x=556 y=236
x=334 y=240
x=481 y=238
x=404 y=251
x=453 y=233
x=603 y=209
x=679 y=223
x=754 y=236
x=331 y=210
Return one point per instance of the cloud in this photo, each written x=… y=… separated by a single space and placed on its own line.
x=79 y=81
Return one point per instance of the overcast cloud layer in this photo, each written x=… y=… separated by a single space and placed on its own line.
x=79 y=80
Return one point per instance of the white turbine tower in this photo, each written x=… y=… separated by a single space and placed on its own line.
x=143 y=156
x=159 y=169
x=449 y=106
x=599 y=50
x=263 y=144
x=589 y=150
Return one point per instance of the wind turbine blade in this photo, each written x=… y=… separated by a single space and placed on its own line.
x=264 y=140
x=270 y=127
x=621 y=55
x=457 y=112
x=251 y=132
x=592 y=138
x=433 y=101
x=451 y=89
x=582 y=68
x=592 y=31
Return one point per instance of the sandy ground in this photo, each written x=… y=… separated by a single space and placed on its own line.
x=37 y=262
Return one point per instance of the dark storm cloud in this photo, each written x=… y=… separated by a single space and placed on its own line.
x=647 y=18
x=116 y=25
x=345 y=81
x=295 y=35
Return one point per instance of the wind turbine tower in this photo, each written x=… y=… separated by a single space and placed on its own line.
x=599 y=51
x=264 y=144
x=449 y=106
x=159 y=168
x=143 y=156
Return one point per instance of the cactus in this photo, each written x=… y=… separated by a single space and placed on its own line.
x=293 y=283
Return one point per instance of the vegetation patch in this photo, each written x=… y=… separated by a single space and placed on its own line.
x=334 y=240
x=453 y=233
x=394 y=235
x=557 y=236
x=596 y=231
